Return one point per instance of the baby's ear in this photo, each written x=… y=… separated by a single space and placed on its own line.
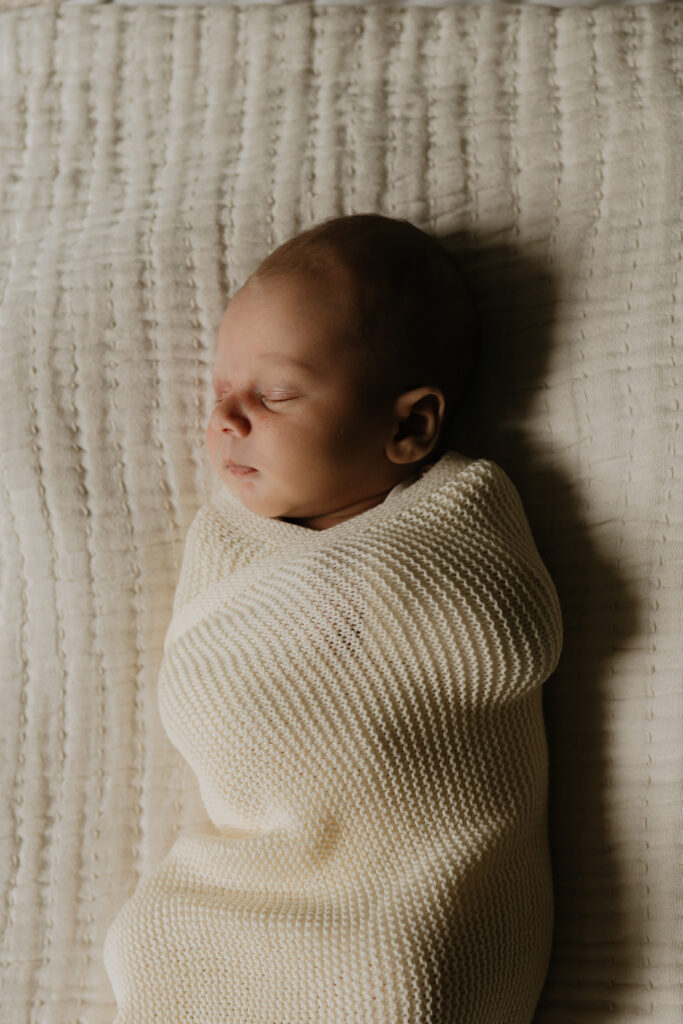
x=418 y=416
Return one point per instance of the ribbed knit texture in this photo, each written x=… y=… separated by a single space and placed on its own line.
x=362 y=708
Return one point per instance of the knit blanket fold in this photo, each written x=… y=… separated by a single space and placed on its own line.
x=362 y=708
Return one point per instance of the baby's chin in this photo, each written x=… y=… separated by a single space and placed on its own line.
x=254 y=498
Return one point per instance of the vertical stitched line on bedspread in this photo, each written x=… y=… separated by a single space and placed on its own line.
x=29 y=108
x=48 y=272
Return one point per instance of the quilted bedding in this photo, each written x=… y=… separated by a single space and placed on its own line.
x=150 y=157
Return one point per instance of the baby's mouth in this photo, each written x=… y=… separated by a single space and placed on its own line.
x=237 y=470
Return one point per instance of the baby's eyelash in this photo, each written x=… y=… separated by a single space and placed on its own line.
x=264 y=398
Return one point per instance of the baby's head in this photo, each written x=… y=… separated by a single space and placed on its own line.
x=339 y=364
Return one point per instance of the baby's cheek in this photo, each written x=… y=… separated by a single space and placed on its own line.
x=210 y=438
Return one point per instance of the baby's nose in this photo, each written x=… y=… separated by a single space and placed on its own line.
x=229 y=418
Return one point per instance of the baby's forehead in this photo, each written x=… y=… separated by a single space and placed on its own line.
x=324 y=298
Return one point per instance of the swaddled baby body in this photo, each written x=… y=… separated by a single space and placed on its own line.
x=361 y=628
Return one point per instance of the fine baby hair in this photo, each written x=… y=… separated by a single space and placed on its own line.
x=411 y=316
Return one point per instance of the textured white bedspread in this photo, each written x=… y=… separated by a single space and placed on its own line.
x=150 y=158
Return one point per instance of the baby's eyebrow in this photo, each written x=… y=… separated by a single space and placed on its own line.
x=291 y=361
x=276 y=358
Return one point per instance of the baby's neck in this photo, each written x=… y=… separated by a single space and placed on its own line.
x=340 y=515
x=323 y=522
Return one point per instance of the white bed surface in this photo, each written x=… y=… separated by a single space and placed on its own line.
x=136 y=194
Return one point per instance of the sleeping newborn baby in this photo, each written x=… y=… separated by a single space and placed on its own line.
x=311 y=421
x=361 y=629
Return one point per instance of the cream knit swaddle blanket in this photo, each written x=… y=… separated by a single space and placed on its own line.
x=362 y=707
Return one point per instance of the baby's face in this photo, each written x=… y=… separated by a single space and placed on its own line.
x=287 y=404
